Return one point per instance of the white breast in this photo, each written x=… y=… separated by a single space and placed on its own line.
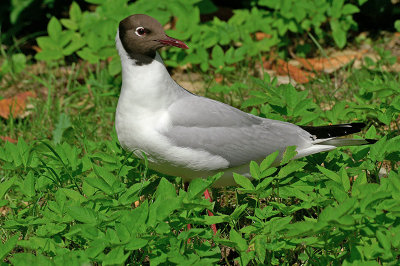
x=147 y=92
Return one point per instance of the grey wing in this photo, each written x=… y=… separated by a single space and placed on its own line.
x=220 y=129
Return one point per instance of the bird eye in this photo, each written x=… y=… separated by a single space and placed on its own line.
x=140 y=31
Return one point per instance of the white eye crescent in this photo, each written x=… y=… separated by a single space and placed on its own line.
x=140 y=31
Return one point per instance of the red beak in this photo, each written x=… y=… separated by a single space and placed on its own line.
x=173 y=42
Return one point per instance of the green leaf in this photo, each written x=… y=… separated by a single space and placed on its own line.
x=345 y=179
x=397 y=25
x=236 y=237
x=28 y=259
x=62 y=124
x=28 y=185
x=383 y=240
x=289 y=153
x=268 y=161
x=74 y=195
x=371 y=133
x=337 y=8
x=238 y=211
x=54 y=29
x=197 y=187
x=339 y=35
x=254 y=170
x=116 y=256
x=50 y=229
x=136 y=243
x=75 y=12
x=217 y=55
x=69 y=24
x=349 y=9
x=83 y=214
x=209 y=220
x=114 y=67
x=49 y=55
x=76 y=43
x=18 y=62
x=100 y=184
x=5 y=186
x=165 y=190
x=330 y=174
x=291 y=167
x=8 y=246
x=243 y=181
x=88 y=55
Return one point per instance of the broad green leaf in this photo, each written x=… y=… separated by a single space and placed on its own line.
x=291 y=167
x=135 y=244
x=345 y=179
x=8 y=246
x=99 y=183
x=383 y=240
x=289 y=153
x=238 y=211
x=74 y=195
x=254 y=170
x=165 y=190
x=243 y=181
x=116 y=256
x=83 y=214
x=95 y=248
x=339 y=35
x=349 y=9
x=28 y=259
x=54 y=29
x=28 y=185
x=50 y=229
x=236 y=237
x=5 y=186
x=114 y=67
x=62 y=124
x=216 y=219
x=330 y=174
x=75 y=12
x=397 y=25
x=76 y=43
x=337 y=8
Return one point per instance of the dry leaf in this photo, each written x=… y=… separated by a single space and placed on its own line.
x=5 y=138
x=218 y=78
x=36 y=48
x=300 y=76
x=331 y=64
x=15 y=105
x=4 y=210
x=262 y=35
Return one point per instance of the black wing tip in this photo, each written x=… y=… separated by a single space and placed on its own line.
x=332 y=131
x=371 y=141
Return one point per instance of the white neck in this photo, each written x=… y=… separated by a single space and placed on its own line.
x=146 y=85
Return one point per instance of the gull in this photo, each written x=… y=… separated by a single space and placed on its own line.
x=186 y=135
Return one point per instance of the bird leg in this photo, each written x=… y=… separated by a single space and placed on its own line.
x=207 y=196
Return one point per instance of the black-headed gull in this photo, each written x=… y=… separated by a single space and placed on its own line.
x=190 y=136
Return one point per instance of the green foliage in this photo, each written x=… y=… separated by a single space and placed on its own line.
x=299 y=16
x=71 y=198
x=90 y=35
x=15 y=64
x=397 y=25
x=77 y=198
x=74 y=205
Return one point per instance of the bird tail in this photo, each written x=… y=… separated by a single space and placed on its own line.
x=327 y=138
x=332 y=131
x=328 y=135
x=340 y=142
